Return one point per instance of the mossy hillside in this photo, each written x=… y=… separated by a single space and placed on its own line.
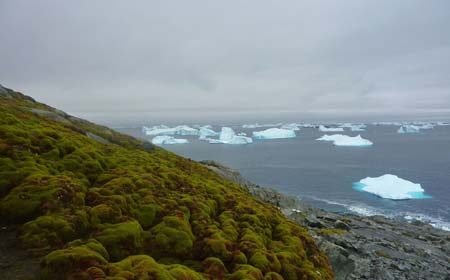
x=155 y=214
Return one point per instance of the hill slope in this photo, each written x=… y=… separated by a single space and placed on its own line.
x=93 y=203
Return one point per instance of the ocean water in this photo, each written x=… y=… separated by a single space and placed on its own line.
x=323 y=175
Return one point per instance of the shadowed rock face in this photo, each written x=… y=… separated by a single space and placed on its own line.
x=91 y=203
x=363 y=247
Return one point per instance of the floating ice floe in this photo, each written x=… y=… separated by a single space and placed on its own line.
x=387 y=123
x=330 y=129
x=358 y=128
x=274 y=133
x=344 y=140
x=228 y=136
x=425 y=125
x=168 y=140
x=353 y=127
x=442 y=123
x=157 y=129
x=307 y=125
x=391 y=187
x=165 y=130
x=291 y=126
x=257 y=125
x=415 y=127
x=408 y=128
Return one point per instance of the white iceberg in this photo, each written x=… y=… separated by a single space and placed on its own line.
x=240 y=140
x=158 y=130
x=408 y=128
x=205 y=132
x=330 y=129
x=228 y=136
x=165 y=130
x=391 y=187
x=291 y=126
x=274 y=133
x=185 y=130
x=168 y=140
x=344 y=140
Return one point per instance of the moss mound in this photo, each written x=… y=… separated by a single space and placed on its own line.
x=104 y=205
x=121 y=240
x=69 y=262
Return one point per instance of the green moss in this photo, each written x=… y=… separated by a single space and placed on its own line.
x=47 y=231
x=265 y=261
x=229 y=225
x=80 y=222
x=247 y=272
x=259 y=260
x=239 y=258
x=91 y=244
x=61 y=183
x=215 y=268
x=121 y=239
x=146 y=215
x=38 y=194
x=145 y=267
x=273 y=276
x=332 y=231
x=182 y=272
x=171 y=237
x=103 y=213
x=12 y=173
x=217 y=246
x=62 y=264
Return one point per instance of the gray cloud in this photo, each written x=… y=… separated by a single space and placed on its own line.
x=176 y=56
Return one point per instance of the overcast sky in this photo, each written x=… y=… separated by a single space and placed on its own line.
x=256 y=56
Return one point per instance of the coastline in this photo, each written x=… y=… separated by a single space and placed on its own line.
x=362 y=247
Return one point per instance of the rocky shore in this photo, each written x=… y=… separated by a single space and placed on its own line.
x=361 y=247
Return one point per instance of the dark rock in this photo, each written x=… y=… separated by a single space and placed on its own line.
x=312 y=221
x=3 y=91
x=339 y=259
x=341 y=225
